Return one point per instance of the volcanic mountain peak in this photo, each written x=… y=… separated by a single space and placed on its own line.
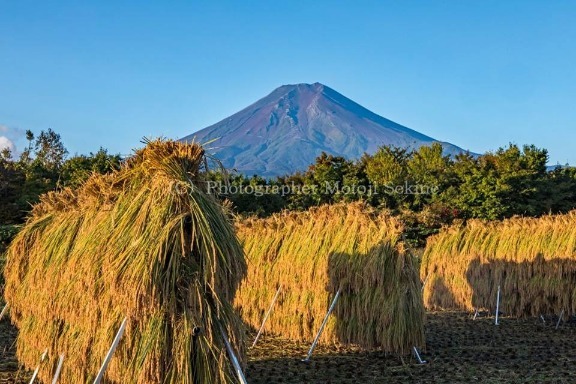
x=286 y=130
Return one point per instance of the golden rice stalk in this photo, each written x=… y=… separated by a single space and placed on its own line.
x=311 y=255
x=532 y=259
x=146 y=242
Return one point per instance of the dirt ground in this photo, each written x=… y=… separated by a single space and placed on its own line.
x=459 y=350
x=9 y=372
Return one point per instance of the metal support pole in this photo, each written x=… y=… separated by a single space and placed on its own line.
x=42 y=357
x=4 y=311
x=559 y=319
x=322 y=327
x=425 y=281
x=233 y=358
x=58 y=369
x=266 y=317
x=111 y=352
x=418 y=356
x=475 y=313
x=497 y=305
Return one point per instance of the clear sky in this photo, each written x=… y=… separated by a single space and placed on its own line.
x=479 y=74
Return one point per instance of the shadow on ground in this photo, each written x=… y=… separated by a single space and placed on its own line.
x=529 y=288
x=459 y=350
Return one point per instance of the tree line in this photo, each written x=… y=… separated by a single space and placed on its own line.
x=425 y=187
x=44 y=165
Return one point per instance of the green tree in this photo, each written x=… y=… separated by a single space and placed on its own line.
x=49 y=150
x=523 y=173
x=11 y=181
x=431 y=172
x=26 y=155
x=43 y=167
x=559 y=193
x=386 y=170
x=299 y=199
x=78 y=169
x=249 y=196
x=326 y=177
x=496 y=185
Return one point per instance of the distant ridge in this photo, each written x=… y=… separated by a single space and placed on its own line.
x=285 y=131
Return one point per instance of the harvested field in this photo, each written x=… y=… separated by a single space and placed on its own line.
x=459 y=350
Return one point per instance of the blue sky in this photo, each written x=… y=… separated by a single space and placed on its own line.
x=479 y=74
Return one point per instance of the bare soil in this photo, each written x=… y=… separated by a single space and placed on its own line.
x=9 y=370
x=459 y=350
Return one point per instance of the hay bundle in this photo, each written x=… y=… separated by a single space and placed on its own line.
x=532 y=259
x=146 y=242
x=311 y=255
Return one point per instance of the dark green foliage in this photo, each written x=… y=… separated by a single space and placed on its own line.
x=508 y=182
x=49 y=150
x=12 y=179
x=78 y=169
x=43 y=166
x=427 y=188
x=249 y=196
x=7 y=233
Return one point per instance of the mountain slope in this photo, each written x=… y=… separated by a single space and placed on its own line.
x=286 y=130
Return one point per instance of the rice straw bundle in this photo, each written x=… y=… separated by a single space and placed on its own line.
x=311 y=255
x=146 y=242
x=532 y=259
